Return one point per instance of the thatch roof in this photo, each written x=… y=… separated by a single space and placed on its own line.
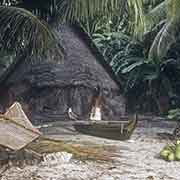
x=83 y=64
x=80 y=49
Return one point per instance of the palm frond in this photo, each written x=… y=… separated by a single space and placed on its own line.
x=168 y=34
x=173 y=10
x=70 y=10
x=157 y=14
x=21 y=30
x=136 y=14
x=9 y=2
x=84 y=10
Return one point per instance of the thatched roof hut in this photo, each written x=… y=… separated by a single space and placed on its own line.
x=47 y=89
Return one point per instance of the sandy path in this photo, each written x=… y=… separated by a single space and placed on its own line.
x=136 y=159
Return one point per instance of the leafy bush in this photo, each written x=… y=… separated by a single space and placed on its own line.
x=111 y=43
x=142 y=78
x=174 y=114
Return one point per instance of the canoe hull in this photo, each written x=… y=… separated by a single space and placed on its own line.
x=115 y=131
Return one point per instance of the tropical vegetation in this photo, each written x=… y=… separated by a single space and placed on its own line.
x=145 y=58
x=138 y=38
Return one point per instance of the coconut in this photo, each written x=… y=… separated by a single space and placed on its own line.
x=177 y=152
x=171 y=157
x=165 y=153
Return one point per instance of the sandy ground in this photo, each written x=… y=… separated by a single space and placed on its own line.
x=136 y=159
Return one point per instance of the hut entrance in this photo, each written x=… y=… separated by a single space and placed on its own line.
x=96 y=106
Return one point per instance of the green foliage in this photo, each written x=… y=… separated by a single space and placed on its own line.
x=110 y=44
x=174 y=114
x=82 y=10
x=20 y=28
x=149 y=78
x=148 y=68
x=68 y=10
x=22 y=31
x=140 y=76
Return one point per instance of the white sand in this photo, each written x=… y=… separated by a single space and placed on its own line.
x=136 y=159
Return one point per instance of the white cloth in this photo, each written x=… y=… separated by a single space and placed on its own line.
x=96 y=114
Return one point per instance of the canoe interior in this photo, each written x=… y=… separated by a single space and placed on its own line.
x=116 y=130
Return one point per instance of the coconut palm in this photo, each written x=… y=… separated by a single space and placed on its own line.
x=131 y=14
x=161 y=13
x=16 y=14
x=140 y=15
x=27 y=27
x=22 y=21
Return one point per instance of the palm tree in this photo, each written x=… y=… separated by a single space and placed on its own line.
x=22 y=21
x=27 y=27
x=72 y=10
x=48 y=11
x=150 y=13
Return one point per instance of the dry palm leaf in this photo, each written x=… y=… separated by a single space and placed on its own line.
x=96 y=153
